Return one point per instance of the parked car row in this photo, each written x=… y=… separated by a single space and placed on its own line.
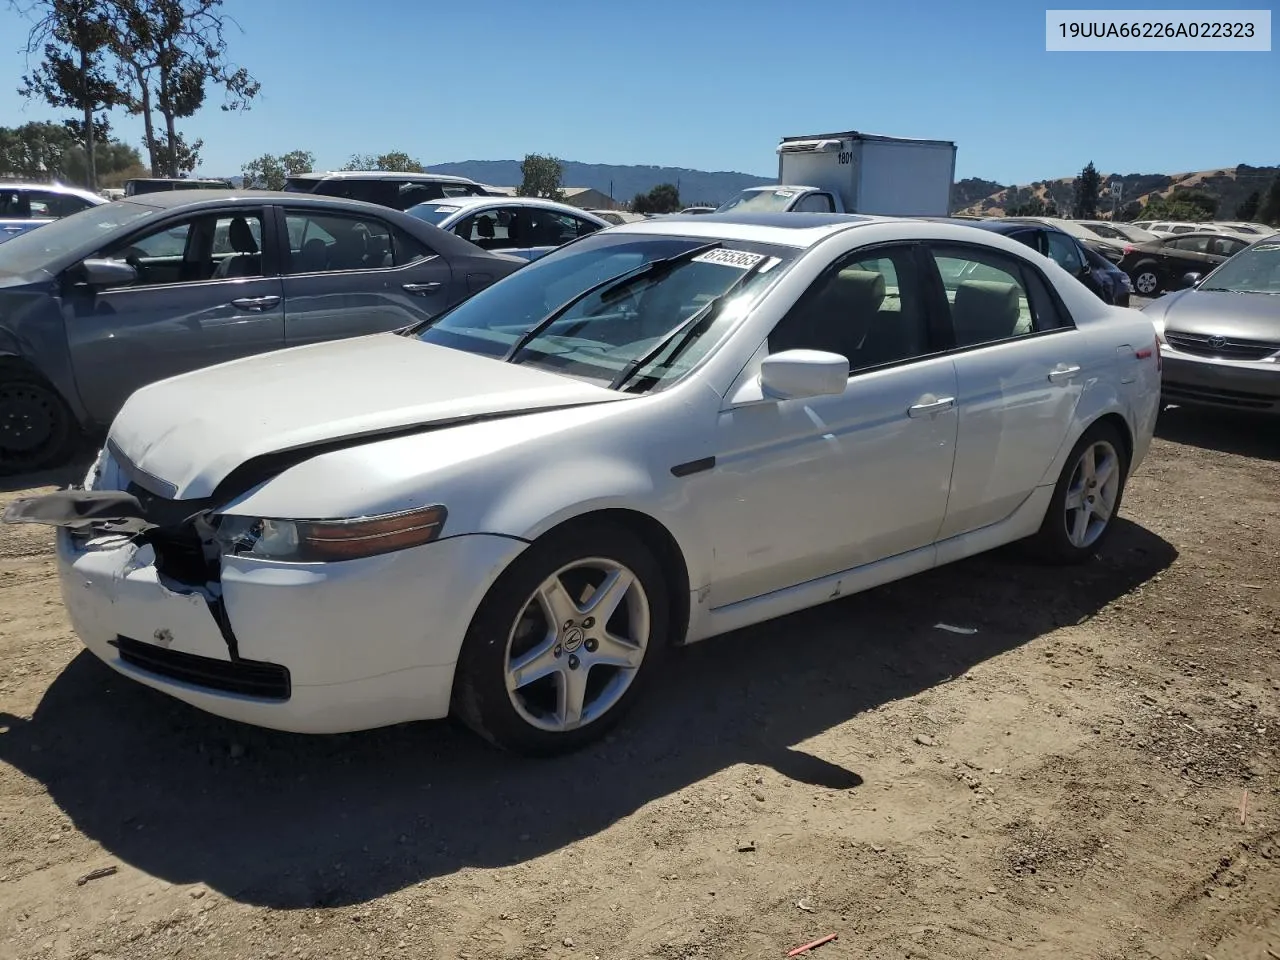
x=94 y=305
x=25 y=206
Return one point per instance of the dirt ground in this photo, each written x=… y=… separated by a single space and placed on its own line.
x=1093 y=773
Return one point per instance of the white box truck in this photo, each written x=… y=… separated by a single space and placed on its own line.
x=856 y=173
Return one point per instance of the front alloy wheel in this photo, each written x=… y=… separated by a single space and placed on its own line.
x=564 y=640
x=577 y=645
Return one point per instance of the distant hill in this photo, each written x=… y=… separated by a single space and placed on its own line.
x=1230 y=186
x=696 y=186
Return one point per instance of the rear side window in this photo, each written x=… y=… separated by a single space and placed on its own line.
x=325 y=242
x=993 y=297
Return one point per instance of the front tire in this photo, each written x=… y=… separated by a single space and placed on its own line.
x=37 y=430
x=1086 y=500
x=564 y=641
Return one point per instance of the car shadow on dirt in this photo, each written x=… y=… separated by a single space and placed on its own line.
x=63 y=476
x=291 y=821
x=1244 y=434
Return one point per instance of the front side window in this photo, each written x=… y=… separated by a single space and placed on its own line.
x=1226 y=246
x=209 y=247
x=991 y=296
x=326 y=242
x=1064 y=252
x=498 y=228
x=15 y=205
x=816 y=203
x=869 y=308
x=622 y=311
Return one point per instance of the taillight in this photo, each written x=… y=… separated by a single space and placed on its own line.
x=1128 y=248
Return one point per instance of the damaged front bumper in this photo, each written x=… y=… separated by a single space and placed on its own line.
x=312 y=648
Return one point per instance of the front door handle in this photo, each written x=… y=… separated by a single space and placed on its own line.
x=256 y=304
x=1063 y=372
x=931 y=408
x=422 y=288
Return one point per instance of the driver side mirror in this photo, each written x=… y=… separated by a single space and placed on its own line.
x=107 y=273
x=800 y=374
x=1190 y=280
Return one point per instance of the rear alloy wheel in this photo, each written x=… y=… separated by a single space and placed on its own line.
x=1087 y=498
x=563 y=640
x=36 y=428
x=1146 y=281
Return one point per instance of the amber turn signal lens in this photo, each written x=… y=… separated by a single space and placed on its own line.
x=321 y=540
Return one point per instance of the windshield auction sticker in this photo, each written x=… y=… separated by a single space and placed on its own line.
x=730 y=258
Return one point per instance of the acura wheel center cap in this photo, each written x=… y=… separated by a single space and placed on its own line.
x=573 y=638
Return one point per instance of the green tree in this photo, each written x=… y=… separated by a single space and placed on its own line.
x=541 y=177
x=1085 y=190
x=1191 y=205
x=269 y=172
x=169 y=53
x=1032 y=207
x=35 y=151
x=396 y=161
x=1248 y=208
x=1269 y=210
x=73 y=38
x=664 y=198
x=113 y=159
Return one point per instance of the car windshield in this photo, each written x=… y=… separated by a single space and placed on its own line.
x=37 y=249
x=1253 y=270
x=758 y=201
x=596 y=308
x=433 y=212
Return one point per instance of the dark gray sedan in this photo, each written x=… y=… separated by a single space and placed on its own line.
x=1220 y=336
x=96 y=305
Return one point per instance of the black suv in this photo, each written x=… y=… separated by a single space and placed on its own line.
x=397 y=190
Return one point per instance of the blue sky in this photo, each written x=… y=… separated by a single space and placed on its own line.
x=712 y=85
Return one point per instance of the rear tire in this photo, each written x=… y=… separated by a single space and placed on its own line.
x=564 y=641
x=1086 y=500
x=1147 y=281
x=37 y=429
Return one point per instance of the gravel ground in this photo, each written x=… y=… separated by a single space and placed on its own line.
x=1093 y=773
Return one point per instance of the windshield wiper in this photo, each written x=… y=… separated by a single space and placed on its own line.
x=686 y=331
x=612 y=285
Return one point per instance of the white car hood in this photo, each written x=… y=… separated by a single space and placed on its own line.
x=179 y=438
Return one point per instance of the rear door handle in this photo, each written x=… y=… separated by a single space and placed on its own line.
x=1063 y=372
x=423 y=288
x=13 y=229
x=931 y=407
x=256 y=304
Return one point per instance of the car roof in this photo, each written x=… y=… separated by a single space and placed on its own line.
x=1003 y=226
x=51 y=188
x=463 y=203
x=799 y=230
x=380 y=175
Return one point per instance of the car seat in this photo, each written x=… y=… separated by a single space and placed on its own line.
x=246 y=261
x=984 y=310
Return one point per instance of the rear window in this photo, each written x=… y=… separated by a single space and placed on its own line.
x=300 y=185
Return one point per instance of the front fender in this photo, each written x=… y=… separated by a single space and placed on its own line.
x=559 y=493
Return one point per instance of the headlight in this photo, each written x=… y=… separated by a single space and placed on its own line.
x=320 y=541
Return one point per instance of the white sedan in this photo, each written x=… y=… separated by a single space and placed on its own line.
x=526 y=227
x=660 y=433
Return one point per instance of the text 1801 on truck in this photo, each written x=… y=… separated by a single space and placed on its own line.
x=856 y=173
